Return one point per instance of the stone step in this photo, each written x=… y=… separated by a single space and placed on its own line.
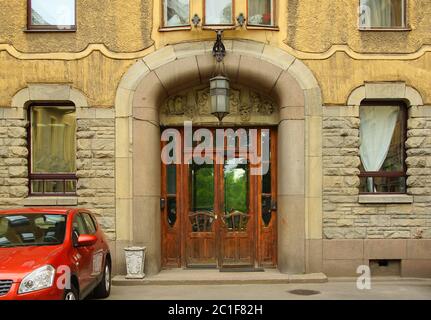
x=214 y=277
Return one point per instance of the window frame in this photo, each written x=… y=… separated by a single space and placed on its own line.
x=48 y=28
x=405 y=27
x=384 y=174
x=217 y=26
x=165 y=27
x=47 y=176
x=262 y=26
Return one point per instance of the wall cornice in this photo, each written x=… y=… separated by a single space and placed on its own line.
x=303 y=55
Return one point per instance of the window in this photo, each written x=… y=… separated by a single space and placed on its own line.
x=79 y=226
x=53 y=150
x=18 y=230
x=382 y=14
x=218 y=12
x=261 y=13
x=89 y=222
x=51 y=15
x=382 y=150
x=176 y=13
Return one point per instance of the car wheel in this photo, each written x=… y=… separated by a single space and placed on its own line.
x=71 y=294
x=103 y=290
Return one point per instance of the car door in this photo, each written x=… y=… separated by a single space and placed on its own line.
x=83 y=255
x=97 y=253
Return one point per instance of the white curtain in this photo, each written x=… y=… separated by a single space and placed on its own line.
x=380 y=13
x=376 y=130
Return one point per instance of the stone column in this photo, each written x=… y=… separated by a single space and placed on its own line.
x=291 y=196
x=147 y=191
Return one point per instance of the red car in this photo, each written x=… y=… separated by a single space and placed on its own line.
x=52 y=254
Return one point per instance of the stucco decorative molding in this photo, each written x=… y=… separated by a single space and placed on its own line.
x=385 y=90
x=356 y=55
x=75 y=55
x=303 y=55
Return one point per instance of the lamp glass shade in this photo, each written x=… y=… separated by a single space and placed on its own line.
x=219 y=92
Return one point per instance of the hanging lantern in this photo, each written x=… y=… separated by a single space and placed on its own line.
x=219 y=92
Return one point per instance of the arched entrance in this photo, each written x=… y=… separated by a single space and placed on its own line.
x=269 y=71
x=219 y=181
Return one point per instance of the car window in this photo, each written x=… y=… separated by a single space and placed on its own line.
x=89 y=223
x=79 y=225
x=32 y=229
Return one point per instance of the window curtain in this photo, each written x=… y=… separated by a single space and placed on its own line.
x=376 y=131
x=260 y=12
x=381 y=13
x=53 y=140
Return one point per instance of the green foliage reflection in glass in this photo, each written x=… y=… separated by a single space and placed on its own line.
x=236 y=185
x=202 y=187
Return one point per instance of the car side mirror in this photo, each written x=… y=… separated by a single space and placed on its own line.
x=86 y=240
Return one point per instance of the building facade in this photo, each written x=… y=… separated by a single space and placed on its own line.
x=341 y=92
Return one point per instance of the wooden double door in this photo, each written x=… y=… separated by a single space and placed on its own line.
x=220 y=214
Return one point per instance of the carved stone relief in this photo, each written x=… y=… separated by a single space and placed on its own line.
x=245 y=104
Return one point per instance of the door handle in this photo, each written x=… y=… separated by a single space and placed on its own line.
x=273 y=205
x=162 y=203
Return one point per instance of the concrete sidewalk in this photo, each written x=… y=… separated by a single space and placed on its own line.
x=215 y=277
x=335 y=289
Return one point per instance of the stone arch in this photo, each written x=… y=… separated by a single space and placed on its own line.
x=176 y=67
x=385 y=90
x=45 y=93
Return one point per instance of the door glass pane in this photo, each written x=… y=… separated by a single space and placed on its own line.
x=171 y=175
x=236 y=194
x=266 y=210
x=202 y=197
x=266 y=181
x=266 y=198
x=202 y=183
x=172 y=211
x=53 y=12
x=218 y=12
x=53 y=131
x=176 y=13
x=260 y=12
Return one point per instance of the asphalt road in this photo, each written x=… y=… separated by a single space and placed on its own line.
x=333 y=290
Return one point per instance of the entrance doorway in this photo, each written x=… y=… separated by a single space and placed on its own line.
x=221 y=214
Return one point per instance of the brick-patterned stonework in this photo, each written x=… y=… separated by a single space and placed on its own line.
x=343 y=216
x=96 y=169
x=13 y=162
x=95 y=165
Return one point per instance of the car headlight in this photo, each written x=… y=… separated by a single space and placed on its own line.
x=41 y=278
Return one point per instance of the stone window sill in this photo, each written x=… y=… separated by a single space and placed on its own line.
x=385 y=198
x=49 y=201
x=395 y=29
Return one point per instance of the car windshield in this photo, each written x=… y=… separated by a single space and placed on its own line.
x=21 y=230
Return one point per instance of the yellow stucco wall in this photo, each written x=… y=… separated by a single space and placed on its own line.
x=112 y=35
